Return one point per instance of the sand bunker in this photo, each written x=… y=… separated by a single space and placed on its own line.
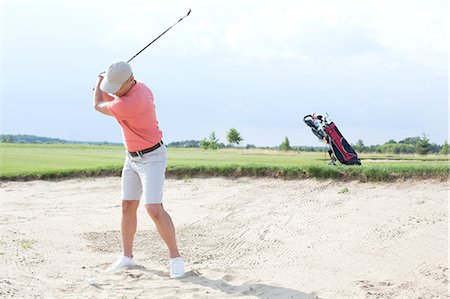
x=246 y=238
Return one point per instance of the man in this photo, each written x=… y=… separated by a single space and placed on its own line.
x=143 y=173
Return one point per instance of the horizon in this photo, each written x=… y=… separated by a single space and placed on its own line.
x=380 y=69
x=319 y=145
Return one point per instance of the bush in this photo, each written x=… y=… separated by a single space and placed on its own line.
x=285 y=146
x=423 y=146
x=444 y=150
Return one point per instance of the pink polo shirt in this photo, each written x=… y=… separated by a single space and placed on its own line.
x=136 y=114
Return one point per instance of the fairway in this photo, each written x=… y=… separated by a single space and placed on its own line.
x=43 y=159
x=47 y=161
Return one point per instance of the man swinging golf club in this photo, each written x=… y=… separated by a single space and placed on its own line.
x=143 y=172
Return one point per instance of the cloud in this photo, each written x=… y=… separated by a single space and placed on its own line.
x=346 y=30
x=416 y=31
x=298 y=30
x=138 y=25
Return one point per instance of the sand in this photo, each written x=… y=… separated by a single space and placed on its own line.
x=246 y=238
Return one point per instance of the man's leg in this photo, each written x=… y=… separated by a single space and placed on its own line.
x=152 y=178
x=128 y=228
x=129 y=224
x=164 y=226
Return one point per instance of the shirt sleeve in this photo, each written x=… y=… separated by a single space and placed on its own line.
x=115 y=107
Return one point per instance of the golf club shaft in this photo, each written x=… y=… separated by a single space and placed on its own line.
x=158 y=37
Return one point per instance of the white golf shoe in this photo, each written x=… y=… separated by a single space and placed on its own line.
x=122 y=262
x=176 y=267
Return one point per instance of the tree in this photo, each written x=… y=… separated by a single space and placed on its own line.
x=204 y=143
x=210 y=143
x=359 y=146
x=8 y=139
x=359 y=143
x=423 y=146
x=410 y=140
x=285 y=146
x=213 y=140
x=233 y=136
x=444 y=150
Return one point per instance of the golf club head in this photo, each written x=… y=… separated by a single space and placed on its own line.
x=189 y=12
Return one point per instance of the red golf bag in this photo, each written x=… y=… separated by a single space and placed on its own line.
x=338 y=147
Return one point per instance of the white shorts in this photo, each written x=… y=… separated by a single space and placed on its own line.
x=143 y=177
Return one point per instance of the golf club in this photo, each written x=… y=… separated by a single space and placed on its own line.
x=152 y=41
x=158 y=37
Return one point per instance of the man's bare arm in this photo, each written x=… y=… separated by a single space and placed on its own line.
x=100 y=104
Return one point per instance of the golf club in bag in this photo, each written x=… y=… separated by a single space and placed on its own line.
x=338 y=147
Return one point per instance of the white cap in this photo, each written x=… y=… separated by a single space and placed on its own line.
x=116 y=74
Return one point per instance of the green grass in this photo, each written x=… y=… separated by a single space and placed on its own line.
x=51 y=161
x=47 y=161
x=343 y=190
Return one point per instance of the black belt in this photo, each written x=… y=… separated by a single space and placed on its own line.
x=147 y=150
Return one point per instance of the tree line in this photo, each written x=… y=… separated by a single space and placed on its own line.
x=410 y=145
x=21 y=138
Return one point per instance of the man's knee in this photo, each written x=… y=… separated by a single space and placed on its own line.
x=154 y=210
x=129 y=206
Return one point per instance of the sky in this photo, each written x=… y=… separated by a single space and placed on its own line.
x=378 y=68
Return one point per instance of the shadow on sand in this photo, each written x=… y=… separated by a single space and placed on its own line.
x=248 y=288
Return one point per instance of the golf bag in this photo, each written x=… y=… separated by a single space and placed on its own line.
x=338 y=147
